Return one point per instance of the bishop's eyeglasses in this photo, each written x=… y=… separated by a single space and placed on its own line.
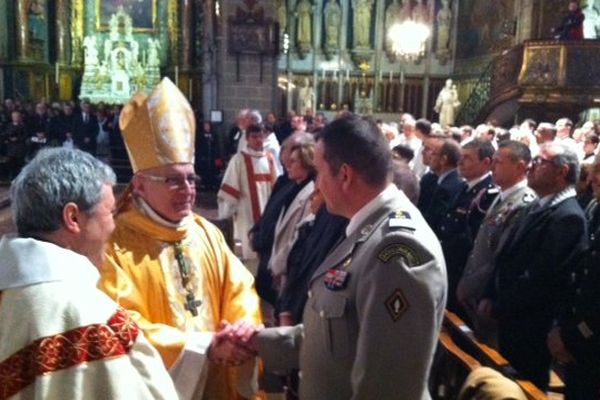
x=174 y=181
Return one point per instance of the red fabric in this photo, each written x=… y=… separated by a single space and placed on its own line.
x=65 y=350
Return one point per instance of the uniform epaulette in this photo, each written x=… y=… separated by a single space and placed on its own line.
x=401 y=219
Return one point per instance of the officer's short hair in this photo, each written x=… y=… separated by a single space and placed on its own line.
x=424 y=126
x=484 y=148
x=517 y=151
x=451 y=150
x=358 y=142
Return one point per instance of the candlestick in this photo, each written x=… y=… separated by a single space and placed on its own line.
x=176 y=75
x=56 y=73
x=190 y=89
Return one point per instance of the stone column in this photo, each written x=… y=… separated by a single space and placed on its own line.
x=62 y=31
x=22 y=30
x=186 y=33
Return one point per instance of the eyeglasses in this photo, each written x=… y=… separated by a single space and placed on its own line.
x=175 y=181
x=538 y=160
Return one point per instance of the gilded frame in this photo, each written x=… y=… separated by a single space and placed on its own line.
x=103 y=13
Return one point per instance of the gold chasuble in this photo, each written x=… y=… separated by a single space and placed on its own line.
x=142 y=274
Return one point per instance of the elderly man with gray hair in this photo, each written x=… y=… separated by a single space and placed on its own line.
x=61 y=337
x=534 y=266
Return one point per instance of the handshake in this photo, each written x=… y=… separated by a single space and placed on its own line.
x=234 y=344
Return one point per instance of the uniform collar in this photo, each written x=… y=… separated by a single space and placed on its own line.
x=383 y=197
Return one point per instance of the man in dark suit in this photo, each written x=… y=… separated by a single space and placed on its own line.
x=460 y=223
x=445 y=154
x=534 y=266
x=574 y=340
x=86 y=129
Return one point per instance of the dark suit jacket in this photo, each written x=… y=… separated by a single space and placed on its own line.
x=441 y=198
x=458 y=228
x=86 y=132
x=579 y=317
x=315 y=240
x=531 y=277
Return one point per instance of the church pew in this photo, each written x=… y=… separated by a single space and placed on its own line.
x=489 y=356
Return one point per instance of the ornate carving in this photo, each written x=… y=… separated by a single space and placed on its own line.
x=541 y=66
x=173 y=28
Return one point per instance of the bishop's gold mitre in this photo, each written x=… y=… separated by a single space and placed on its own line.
x=158 y=129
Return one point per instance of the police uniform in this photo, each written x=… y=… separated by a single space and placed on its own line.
x=374 y=311
x=458 y=228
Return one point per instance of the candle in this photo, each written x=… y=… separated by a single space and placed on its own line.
x=176 y=75
x=380 y=75
x=347 y=74
x=323 y=74
x=190 y=89
x=402 y=77
x=56 y=73
x=391 y=76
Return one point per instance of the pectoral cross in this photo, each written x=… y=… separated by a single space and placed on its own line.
x=191 y=304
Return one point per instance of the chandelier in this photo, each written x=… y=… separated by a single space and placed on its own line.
x=408 y=38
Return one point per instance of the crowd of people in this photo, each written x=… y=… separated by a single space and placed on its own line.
x=26 y=127
x=356 y=236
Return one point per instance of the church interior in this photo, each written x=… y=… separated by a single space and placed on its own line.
x=381 y=58
x=227 y=55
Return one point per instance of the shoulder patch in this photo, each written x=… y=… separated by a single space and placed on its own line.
x=408 y=254
x=396 y=305
x=401 y=219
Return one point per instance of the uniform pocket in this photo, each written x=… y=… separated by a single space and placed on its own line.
x=332 y=312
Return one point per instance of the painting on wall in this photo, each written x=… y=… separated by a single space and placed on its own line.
x=142 y=13
x=484 y=27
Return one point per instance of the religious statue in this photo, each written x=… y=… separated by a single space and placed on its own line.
x=362 y=23
x=304 y=28
x=444 y=22
x=591 y=23
x=281 y=16
x=306 y=97
x=420 y=12
x=37 y=25
x=153 y=58
x=446 y=104
x=333 y=20
x=90 y=51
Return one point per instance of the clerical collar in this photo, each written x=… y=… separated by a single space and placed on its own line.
x=357 y=219
x=254 y=153
x=145 y=209
x=475 y=181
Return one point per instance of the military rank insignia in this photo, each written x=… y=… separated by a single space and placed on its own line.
x=408 y=255
x=396 y=305
x=401 y=219
x=336 y=279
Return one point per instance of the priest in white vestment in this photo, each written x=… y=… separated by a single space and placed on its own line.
x=245 y=189
x=61 y=337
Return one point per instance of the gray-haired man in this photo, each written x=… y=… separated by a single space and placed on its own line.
x=60 y=337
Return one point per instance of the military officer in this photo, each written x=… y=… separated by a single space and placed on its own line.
x=574 y=339
x=460 y=223
x=376 y=302
x=509 y=172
